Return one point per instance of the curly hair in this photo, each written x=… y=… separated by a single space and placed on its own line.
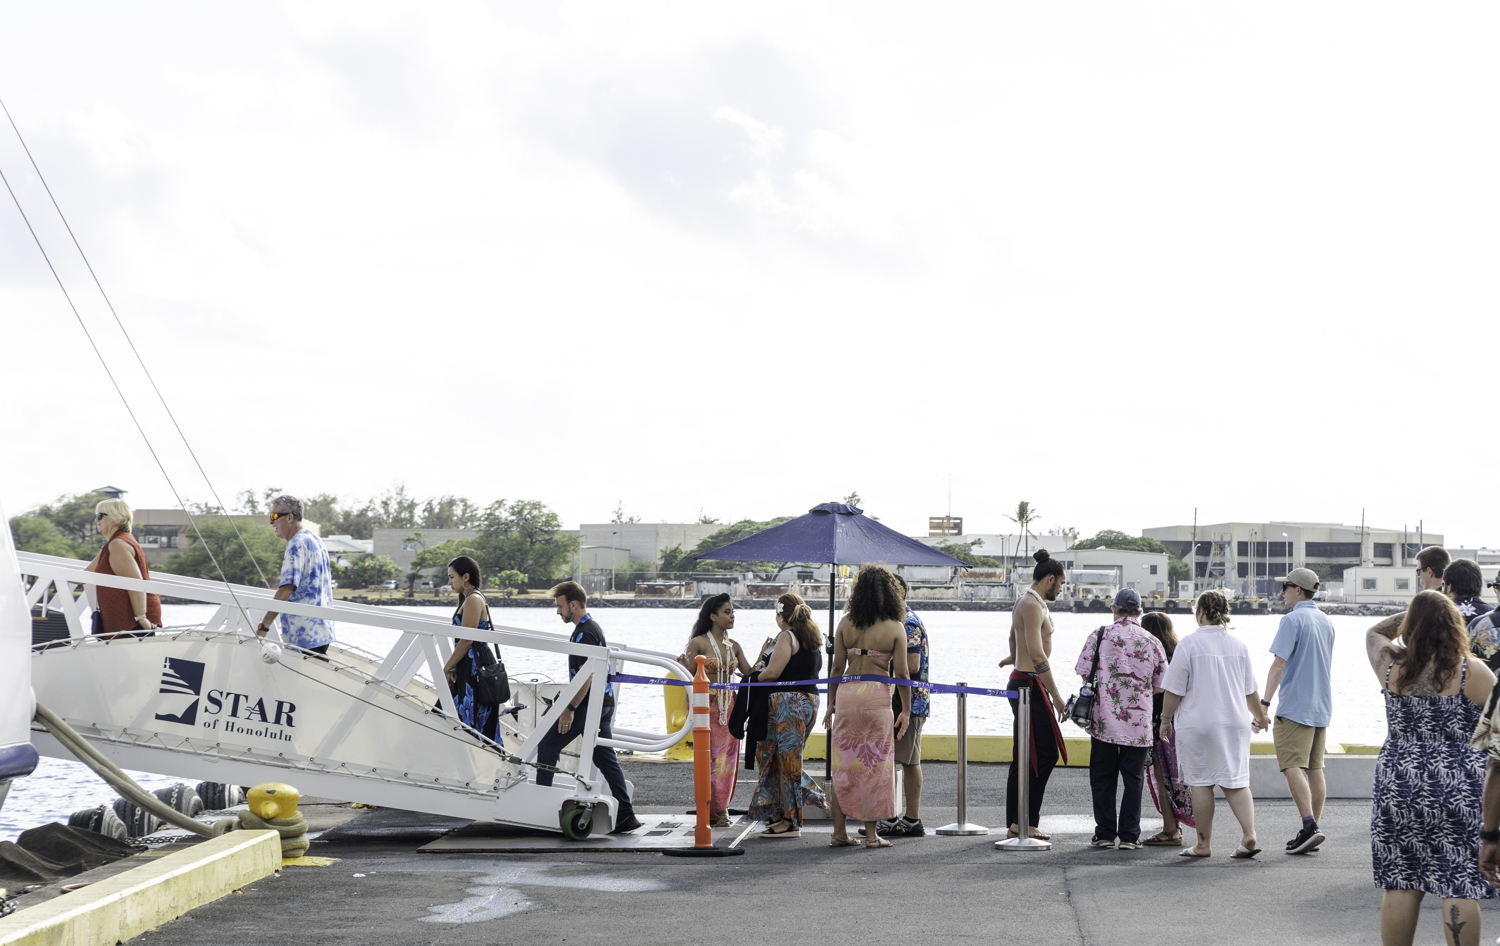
x=798 y=616
x=876 y=597
x=1436 y=636
x=1463 y=578
x=1214 y=606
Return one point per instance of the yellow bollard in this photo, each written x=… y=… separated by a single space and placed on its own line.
x=273 y=800
x=676 y=700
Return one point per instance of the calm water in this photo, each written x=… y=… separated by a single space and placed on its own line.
x=966 y=646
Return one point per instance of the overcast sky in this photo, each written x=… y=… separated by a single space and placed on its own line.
x=1119 y=260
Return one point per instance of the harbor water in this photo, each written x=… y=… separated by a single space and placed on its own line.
x=966 y=646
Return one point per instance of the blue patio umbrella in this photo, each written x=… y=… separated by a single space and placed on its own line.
x=838 y=534
x=835 y=533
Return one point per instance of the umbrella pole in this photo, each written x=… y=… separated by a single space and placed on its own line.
x=833 y=570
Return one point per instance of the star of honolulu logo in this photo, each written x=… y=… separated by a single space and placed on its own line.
x=181 y=678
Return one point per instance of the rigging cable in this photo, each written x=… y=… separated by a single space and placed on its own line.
x=124 y=400
x=131 y=342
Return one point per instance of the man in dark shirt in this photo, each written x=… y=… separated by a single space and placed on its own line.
x=572 y=607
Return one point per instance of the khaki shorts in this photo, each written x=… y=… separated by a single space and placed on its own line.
x=909 y=746
x=1298 y=746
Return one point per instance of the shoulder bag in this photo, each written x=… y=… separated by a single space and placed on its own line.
x=491 y=683
x=1080 y=709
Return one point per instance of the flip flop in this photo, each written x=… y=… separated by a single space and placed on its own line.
x=1034 y=833
x=842 y=842
x=1245 y=853
x=1191 y=853
x=1164 y=840
x=787 y=832
x=876 y=841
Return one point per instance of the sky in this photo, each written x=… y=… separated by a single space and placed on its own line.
x=735 y=260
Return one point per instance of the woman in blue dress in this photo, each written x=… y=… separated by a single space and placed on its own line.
x=462 y=670
x=1424 y=813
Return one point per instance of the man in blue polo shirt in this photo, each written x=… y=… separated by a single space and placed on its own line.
x=1303 y=671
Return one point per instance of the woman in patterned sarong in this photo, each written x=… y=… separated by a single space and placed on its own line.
x=710 y=639
x=783 y=785
x=862 y=733
x=1173 y=799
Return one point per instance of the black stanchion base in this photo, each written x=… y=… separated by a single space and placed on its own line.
x=703 y=851
x=728 y=811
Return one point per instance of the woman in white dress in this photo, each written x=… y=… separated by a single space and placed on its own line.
x=1208 y=688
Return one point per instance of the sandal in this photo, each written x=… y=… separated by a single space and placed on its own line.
x=720 y=820
x=787 y=831
x=837 y=841
x=1163 y=839
x=1243 y=853
x=1013 y=833
x=876 y=841
x=1192 y=853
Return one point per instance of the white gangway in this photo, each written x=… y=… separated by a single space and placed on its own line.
x=216 y=703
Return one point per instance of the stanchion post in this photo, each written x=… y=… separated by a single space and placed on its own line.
x=703 y=833
x=1021 y=756
x=962 y=827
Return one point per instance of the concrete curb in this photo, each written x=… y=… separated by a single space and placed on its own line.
x=128 y=904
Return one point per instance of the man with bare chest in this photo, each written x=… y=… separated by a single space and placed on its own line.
x=1030 y=653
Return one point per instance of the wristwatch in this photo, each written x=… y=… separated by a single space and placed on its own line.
x=1265 y=702
x=1490 y=836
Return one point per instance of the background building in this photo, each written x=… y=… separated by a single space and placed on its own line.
x=644 y=541
x=1247 y=557
x=161 y=532
x=394 y=544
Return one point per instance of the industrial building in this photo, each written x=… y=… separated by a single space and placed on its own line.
x=1247 y=557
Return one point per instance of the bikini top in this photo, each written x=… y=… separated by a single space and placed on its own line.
x=864 y=652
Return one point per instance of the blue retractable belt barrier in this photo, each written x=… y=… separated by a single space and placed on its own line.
x=855 y=678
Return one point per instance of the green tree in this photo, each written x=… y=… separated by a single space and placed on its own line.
x=1177 y=569
x=417 y=565
x=449 y=512
x=620 y=517
x=508 y=581
x=433 y=560
x=524 y=536
x=964 y=552
x=676 y=559
x=32 y=533
x=74 y=517
x=1024 y=517
x=265 y=550
x=853 y=500
x=370 y=570
x=722 y=537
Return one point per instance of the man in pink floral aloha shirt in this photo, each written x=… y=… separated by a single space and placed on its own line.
x=1131 y=665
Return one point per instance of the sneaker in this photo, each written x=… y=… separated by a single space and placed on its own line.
x=889 y=827
x=630 y=823
x=912 y=829
x=1097 y=841
x=1130 y=845
x=1306 y=841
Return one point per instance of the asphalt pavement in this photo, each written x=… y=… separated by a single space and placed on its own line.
x=381 y=892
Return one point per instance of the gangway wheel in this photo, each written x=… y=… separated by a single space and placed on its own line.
x=577 y=823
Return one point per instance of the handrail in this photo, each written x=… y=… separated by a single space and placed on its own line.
x=405 y=655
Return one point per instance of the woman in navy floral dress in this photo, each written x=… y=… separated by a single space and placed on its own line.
x=461 y=669
x=1424 y=813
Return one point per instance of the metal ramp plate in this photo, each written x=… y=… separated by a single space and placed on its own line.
x=657 y=832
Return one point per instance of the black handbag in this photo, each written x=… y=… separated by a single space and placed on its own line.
x=491 y=683
x=1080 y=709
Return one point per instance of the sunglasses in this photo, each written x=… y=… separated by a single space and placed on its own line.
x=99 y=515
x=279 y=515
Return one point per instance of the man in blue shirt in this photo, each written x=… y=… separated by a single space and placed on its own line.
x=572 y=607
x=1303 y=670
x=306 y=578
x=909 y=745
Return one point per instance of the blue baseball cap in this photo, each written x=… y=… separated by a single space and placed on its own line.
x=1128 y=599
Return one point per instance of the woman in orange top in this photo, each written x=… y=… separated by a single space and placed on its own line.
x=122 y=611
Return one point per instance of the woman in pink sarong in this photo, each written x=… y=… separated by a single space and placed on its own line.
x=862 y=731
x=711 y=640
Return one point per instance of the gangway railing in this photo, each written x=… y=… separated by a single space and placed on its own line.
x=58 y=584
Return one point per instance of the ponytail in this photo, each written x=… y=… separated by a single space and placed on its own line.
x=799 y=617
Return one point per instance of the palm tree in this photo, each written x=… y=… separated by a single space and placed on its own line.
x=1024 y=517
